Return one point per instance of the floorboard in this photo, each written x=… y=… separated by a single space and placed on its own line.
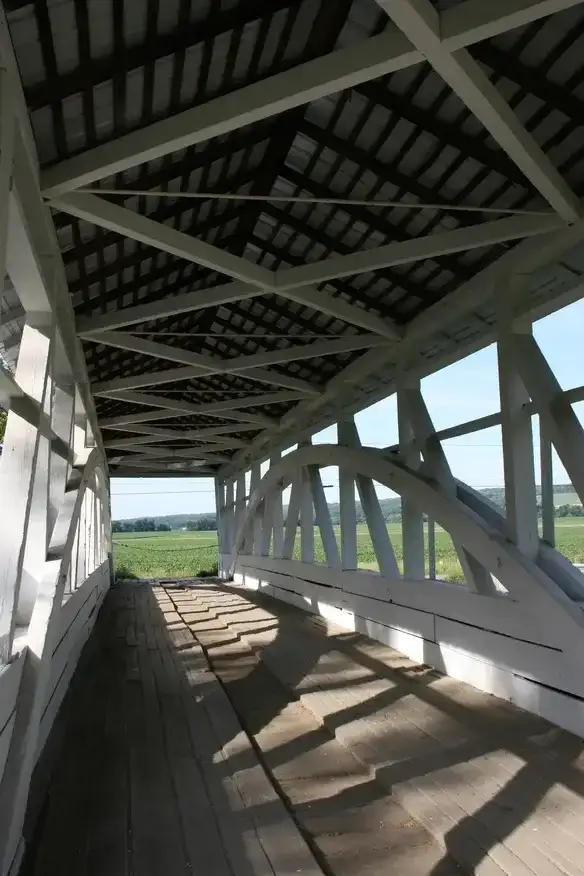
x=214 y=731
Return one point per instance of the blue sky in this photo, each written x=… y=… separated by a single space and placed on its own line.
x=463 y=391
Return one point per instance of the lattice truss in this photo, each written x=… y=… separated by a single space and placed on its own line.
x=211 y=170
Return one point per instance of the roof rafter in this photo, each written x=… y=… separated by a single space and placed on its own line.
x=227 y=409
x=199 y=365
x=421 y=23
x=334 y=72
x=417 y=249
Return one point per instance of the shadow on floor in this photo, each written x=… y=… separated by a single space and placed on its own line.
x=140 y=784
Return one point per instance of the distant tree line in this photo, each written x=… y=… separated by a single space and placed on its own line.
x=203 y=523
x=143 y=524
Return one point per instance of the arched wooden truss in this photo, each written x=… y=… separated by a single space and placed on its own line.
x=515 y=626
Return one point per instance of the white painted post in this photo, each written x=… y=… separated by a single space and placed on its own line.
x=7 y=130
x=229 y=511
x=292 y=520
x=239 y=506
x=516 y=431
x=412 y=517
x=436 y=465
x=62 y=424
x=562 y=424
x=306 y=519
x=37 y=537
x=18 y=465
x=348 y=514
x=257 y=525
x=376 y=525
x=431 y=548
x=323 y=518
x=547 y=484
x=377 y=528
x=220 y=515
x=277 y=515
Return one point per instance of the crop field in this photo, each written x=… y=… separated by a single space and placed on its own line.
x=187 y=554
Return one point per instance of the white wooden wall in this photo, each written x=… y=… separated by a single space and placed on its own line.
x=515 y=628
x=55 y=553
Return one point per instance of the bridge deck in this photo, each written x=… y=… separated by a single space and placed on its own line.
x=360 y=762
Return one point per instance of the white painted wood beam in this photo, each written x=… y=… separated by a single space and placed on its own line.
x=212 y=365
x=474 y=20
x=525 y=258
x=174 y=375
x=337 y=71
x=7 y=143
x=225 y=409
x=256 y=529
x=418 y=249
x=347 y=509
x=169 y=306
x=138 y=442
x=207 y=452
x=323 y=519
x=151 y=434
x=306 y=519
x=323 y=302
x=548 y=533
x=517 y=438
x=18 y=468
x=311 y=81
x=436 y=466
x=420 y=22
x=555 y=410
x=92 y=208
x=239 y=508
x=412 y=516
x=376 y=524
x=277 y=514
x=292 y=516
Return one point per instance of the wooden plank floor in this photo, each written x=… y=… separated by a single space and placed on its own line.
x=354 y=760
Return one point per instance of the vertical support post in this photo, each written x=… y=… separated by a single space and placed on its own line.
x=348 y=513
x=323 y=518
x=229 y=511
x=62 y=424
x=257 y=525
x=239 y=507
x=306 y=515
x=436 y=465
x=37 y=537
x=562 y=424
x=220 y=513
x=18 y=465
x=547 y=484
x=380 y=539
x=278 y=514
x=7 y=132
x=516 y=431
x=292 y=520
x=431 y=548
x=412 y=517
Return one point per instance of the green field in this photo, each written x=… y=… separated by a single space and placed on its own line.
x=187 y=554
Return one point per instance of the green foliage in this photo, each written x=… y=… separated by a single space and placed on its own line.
x=163 y=527
x=2 y=425
x=203 y=523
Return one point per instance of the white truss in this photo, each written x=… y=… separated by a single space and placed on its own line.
x=345 y=68
x=421 y=23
